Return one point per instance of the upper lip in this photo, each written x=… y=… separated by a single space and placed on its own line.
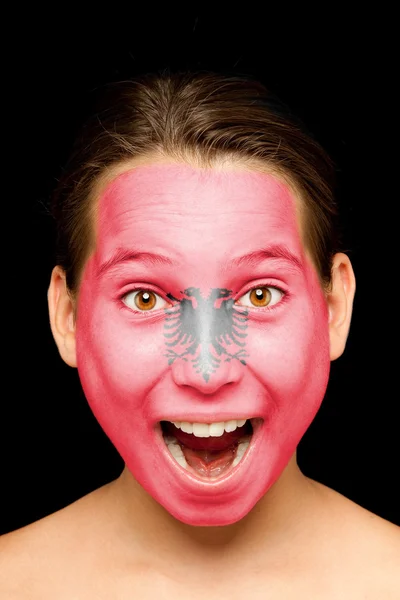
x=206 y=419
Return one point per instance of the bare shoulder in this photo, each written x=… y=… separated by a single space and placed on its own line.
x=35 y=559
x=365 y=547
x=367 y=525
x=23 y=557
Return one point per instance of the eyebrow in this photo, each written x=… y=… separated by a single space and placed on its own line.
x=252 y=259
x=122 y=255
x=279 y=251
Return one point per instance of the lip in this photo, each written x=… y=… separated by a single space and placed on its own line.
x=188 y=478
x=207 y=420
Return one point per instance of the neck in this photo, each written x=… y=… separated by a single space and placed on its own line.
x=276 y=520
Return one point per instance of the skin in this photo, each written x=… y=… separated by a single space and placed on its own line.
x=204 y=224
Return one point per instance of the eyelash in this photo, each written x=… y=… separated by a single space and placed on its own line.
x=284 y=295
x=140 y=288
x=268 y=287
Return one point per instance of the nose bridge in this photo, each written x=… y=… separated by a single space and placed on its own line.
x=203 y=361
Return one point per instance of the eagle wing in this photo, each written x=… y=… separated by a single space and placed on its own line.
x=230 y=325
x=178 y=326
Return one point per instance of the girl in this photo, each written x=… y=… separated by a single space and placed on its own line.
x=200 y=292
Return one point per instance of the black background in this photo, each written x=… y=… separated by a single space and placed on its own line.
x=338 y=75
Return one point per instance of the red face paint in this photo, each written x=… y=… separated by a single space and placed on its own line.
x=198 y=345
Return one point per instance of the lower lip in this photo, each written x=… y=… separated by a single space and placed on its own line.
x=191 y=478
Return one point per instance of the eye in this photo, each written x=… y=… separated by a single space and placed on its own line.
x=144 y=300
x=261 y=297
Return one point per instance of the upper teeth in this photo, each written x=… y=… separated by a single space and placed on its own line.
x=209 y=429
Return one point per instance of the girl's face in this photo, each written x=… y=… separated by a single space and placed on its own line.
x=200 y=306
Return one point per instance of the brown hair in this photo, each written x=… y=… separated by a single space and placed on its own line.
x=200 y=117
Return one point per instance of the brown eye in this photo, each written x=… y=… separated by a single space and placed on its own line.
x=144 y=300
x=261 y=297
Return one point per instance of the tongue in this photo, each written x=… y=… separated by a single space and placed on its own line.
x=209 y=464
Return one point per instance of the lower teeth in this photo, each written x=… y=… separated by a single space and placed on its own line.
x=177 y=453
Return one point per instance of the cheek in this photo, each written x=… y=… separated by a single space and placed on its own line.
x=291 y=356
x=117 y=360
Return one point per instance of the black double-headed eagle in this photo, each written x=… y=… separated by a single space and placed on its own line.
x=204 y=327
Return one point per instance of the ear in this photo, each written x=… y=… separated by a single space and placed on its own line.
x=340 y=303
x=62 y=316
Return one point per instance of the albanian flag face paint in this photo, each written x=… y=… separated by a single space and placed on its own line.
x=204 y=325
x=202 y=334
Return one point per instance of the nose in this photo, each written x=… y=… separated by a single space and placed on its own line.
x=206 y=373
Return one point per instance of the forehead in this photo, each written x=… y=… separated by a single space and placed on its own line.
x=181 y=204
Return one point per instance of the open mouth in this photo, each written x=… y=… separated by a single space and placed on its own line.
x=210 y=450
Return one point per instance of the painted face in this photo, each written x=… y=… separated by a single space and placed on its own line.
x=199 y=307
